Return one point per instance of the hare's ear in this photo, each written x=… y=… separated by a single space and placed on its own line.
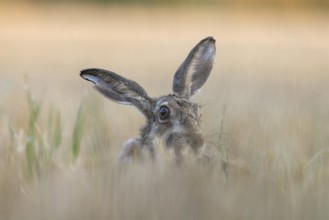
x=196 y=68
x=119 y=89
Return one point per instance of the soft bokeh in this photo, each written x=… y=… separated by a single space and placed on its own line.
x=265 y=110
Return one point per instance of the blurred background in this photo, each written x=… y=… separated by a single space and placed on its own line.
x=265 y=49
x=265 y=108
x=175 y=2
x=51 y=41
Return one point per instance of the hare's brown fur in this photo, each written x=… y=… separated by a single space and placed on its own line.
x=172 y=118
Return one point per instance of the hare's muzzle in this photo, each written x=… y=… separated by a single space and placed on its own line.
x=179 y=140
x=195 y=140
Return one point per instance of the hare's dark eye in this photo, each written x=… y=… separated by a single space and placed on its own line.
x=164 y=113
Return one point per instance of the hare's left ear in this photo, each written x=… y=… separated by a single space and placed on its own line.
x=119 y=89
x=195 y=70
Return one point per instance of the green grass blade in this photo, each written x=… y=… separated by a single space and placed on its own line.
x=32 y=136
x=78 y=132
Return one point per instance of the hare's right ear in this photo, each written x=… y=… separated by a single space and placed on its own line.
x=196 y=68
x=119 y=89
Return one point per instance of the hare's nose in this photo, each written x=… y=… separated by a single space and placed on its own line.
x=196 y=141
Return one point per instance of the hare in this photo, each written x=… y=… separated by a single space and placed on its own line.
x=172 y=118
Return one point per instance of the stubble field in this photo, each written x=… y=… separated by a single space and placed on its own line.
x=265 y=113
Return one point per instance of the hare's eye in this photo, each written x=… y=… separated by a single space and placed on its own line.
x=164 y=113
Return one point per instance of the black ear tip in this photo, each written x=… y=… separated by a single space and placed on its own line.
x=208 y=41
x=210 y=38
x=82 y=72
x=85 y=72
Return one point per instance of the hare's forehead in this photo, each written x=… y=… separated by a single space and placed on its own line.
x=176 y=103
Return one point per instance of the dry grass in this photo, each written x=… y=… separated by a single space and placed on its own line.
x=265 y=110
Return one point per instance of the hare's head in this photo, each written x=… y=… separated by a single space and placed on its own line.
x=172 y=117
